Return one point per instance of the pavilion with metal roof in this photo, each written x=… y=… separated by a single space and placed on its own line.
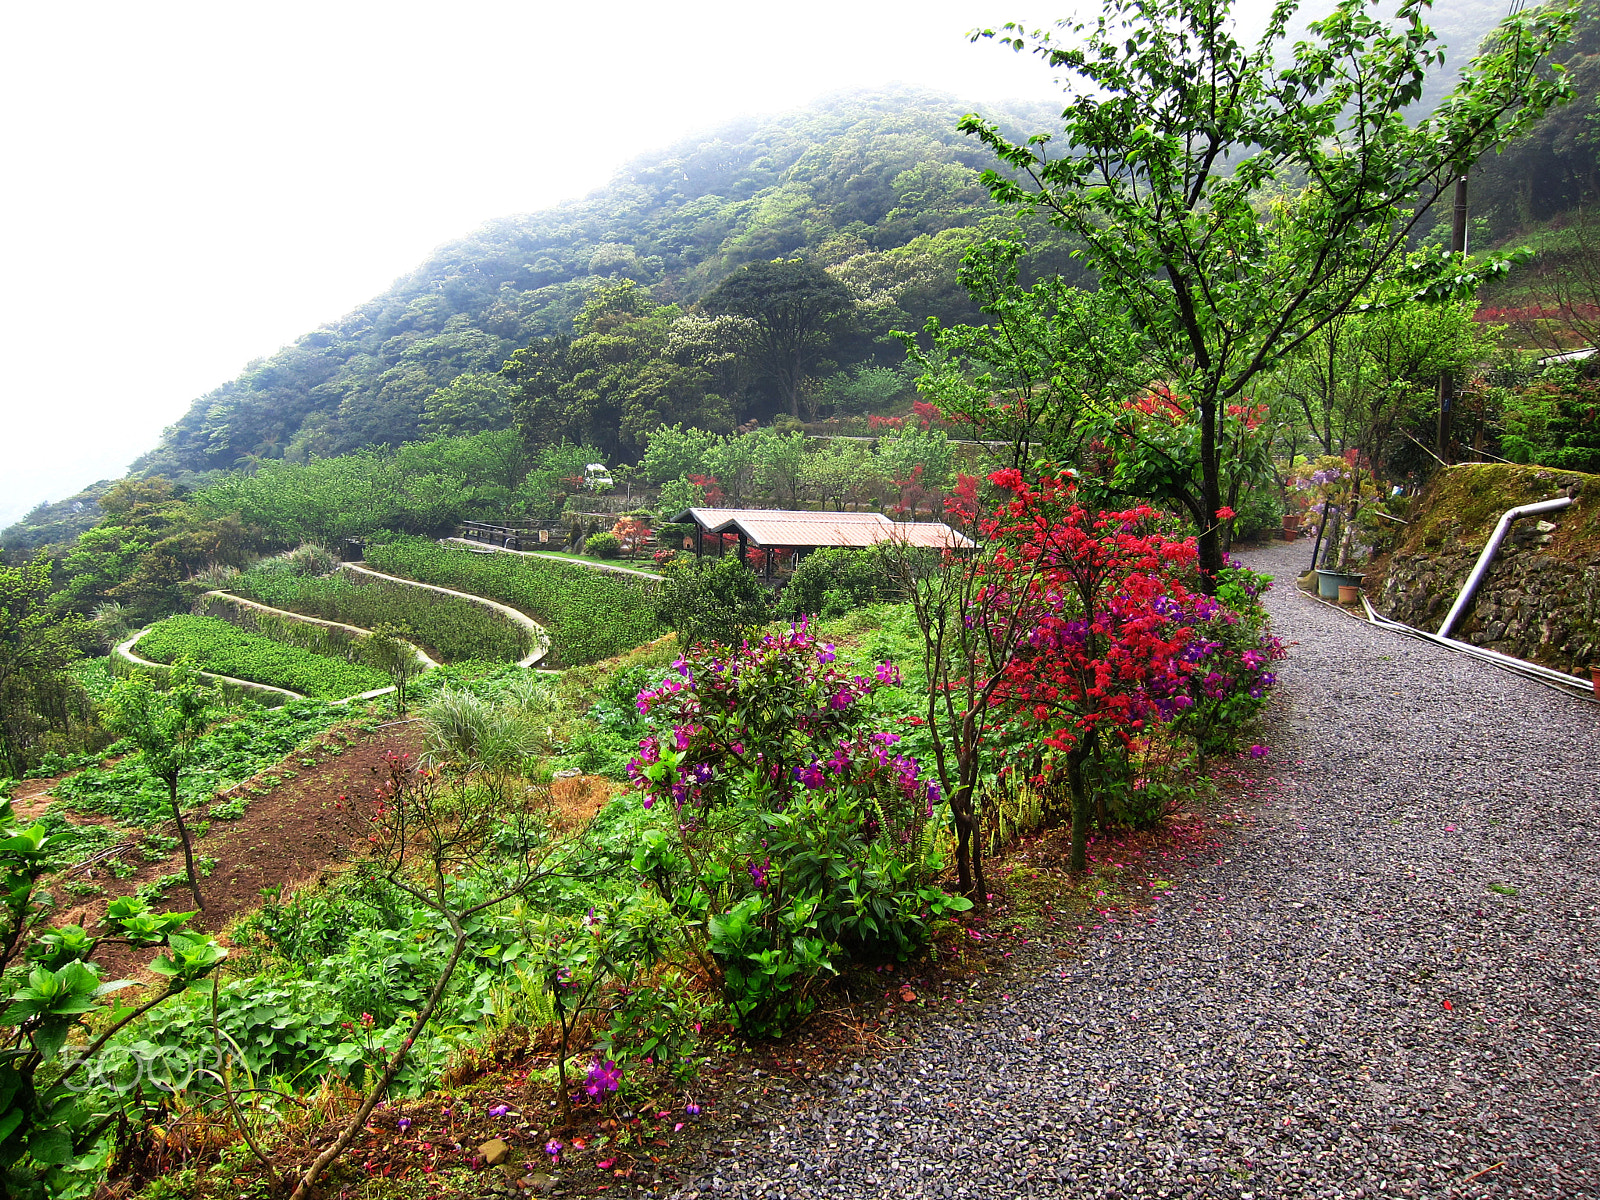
x=777 y=531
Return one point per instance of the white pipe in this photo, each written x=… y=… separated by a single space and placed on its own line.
x=1548 y=674
x=1481 y=567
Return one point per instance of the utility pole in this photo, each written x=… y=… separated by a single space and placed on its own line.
x=1447 y=383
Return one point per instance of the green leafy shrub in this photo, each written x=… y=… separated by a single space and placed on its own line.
x=713 y=600
x=449 y=627
x=1554 y=420
x=801 y=834
x=832 y=581
x=224 y=649
x=603 y=545
x=588 y=614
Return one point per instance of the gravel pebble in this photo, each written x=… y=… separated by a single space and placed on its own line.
x=1276 y=1025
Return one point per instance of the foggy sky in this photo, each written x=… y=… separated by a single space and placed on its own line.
x=191 y=186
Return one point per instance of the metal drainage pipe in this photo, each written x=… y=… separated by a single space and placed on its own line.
x=1481 y=567
x=1522 y=665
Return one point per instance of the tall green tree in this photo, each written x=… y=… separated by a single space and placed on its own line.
x=39 y=700
x=626 y=374
x=1366 y=380
x=1174 y=130
x=798 y=309
x=166 y=724
x=1049 y=359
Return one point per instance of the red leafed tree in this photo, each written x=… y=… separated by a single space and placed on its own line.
x=1060 y=630
x=711 y=489
x=1102 y=646
x=633 y=533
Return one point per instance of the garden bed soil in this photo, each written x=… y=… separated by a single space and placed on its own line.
x=313 y=818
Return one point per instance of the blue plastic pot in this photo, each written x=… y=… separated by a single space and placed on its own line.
x=1328 y=582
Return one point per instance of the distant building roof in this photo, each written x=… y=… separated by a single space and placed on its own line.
x=788 y=528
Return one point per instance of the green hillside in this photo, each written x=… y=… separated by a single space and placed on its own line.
x=878 y=188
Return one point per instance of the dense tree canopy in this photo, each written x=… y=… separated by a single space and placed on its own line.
x=1173 y=131
x=881 y=189
x=797 y=311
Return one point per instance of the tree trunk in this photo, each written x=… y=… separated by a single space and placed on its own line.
x=1211 y=496
x=961 y=814
x=188 y=845
x=308 y=1181
x=1082 y=804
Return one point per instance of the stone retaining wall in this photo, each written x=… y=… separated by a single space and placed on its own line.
x=1541 y=597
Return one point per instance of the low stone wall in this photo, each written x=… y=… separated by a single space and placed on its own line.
x=1541 y=597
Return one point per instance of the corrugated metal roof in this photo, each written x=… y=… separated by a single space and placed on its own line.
x=713 y=519
x=786 y=527
x=934 y=535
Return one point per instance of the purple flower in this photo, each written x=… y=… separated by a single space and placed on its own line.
x=826 y=655
x=692 y=1109
x=603 y=1077
x=553 y=1148
x=500 y=1110
x=810 y=775
x=840 y=699
x=1259 y=751
x=758 y=872
x=887 y=675
x=404 y=1123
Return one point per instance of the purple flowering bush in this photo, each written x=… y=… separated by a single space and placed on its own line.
x=1231 y=654
x=799 y=832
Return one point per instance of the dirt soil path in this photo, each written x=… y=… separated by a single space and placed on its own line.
x=313 y=818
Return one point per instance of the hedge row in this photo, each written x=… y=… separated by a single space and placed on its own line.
x=589 y=614
x=450 y=628
x=225 y=649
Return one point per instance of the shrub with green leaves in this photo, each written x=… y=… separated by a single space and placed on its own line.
x=55 y=1112
x=603 y=545
x=225 y=649
x=713 y=600
x=798 y=832
x=833 y=581
x=451 y=628
x=588 y=614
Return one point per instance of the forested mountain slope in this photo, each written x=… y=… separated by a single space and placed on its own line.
x=879 y=187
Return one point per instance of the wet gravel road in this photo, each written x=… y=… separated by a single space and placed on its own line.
x=1386 y=987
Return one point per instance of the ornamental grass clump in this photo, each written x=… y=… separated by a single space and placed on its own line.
x=796 y=834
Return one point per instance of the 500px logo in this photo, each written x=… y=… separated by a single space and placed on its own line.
x=143 y=1067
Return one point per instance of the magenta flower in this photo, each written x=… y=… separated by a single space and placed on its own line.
x=602 y=1078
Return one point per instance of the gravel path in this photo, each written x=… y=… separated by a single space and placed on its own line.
x=1277 y=1025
